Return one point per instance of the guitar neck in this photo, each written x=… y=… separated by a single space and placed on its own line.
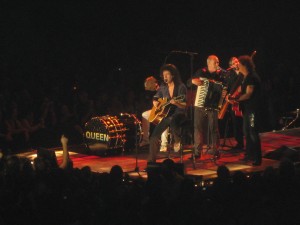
x=223 y=110
x=168 y=102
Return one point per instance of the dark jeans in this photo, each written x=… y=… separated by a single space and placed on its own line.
x=174 y=122
x=253 y=146
x=210 y=118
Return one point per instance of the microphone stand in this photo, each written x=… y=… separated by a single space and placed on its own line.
x=167 y=56
x=233 y=88
x=136 y=169
x=138 y=134
x=191 y=89
x=192 y=108
x=293 y=121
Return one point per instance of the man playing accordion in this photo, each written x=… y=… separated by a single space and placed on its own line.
x=209 y=94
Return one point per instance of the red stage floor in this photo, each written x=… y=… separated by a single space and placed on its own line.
x=204 y=168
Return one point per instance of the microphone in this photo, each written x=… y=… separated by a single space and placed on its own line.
x=220 y=68
x=185 y=52
x=230 y=68
x=166 y=80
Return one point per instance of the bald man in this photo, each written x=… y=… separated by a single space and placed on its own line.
x=207 y=115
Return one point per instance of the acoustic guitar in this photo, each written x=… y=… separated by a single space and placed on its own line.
x=162 y=110
x=236 y=107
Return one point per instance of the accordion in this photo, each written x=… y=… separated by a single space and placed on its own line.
x=209 y=94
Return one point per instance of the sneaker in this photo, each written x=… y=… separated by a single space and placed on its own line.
x=163 y=148
x=176 y=147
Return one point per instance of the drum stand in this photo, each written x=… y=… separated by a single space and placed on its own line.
x=136 y=169
x=137 y=142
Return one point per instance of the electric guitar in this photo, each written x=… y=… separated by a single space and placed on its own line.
x=233 y=93
x=162 y=110
x=236 y=108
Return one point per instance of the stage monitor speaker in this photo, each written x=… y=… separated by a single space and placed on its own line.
x=284 y=152
x=158 y=167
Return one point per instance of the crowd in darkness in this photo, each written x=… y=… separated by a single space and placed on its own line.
x=44 y=193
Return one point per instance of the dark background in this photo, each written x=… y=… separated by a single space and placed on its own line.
x=89 y=43
x=95 y=38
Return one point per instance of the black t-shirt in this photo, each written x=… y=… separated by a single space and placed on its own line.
x=218 y=75
x=253 y=103
x=233 y=80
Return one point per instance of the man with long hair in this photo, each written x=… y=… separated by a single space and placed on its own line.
x=171 y=88
x=249 y=100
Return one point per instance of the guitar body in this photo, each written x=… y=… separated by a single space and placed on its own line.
x=236 y=106
x=234 y=92
x=160 y=112
x=236 y=109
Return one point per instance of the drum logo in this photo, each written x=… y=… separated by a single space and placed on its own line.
x=96 y=136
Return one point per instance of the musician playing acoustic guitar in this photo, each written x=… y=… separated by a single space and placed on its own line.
x=172 y=88
x=151 y=84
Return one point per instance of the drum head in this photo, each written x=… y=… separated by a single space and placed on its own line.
x=105 y=132
x=113 y=132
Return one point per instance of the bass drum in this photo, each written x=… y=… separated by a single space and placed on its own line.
x=112 y=132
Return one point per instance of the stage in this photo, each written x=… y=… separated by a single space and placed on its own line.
x=203 y=169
